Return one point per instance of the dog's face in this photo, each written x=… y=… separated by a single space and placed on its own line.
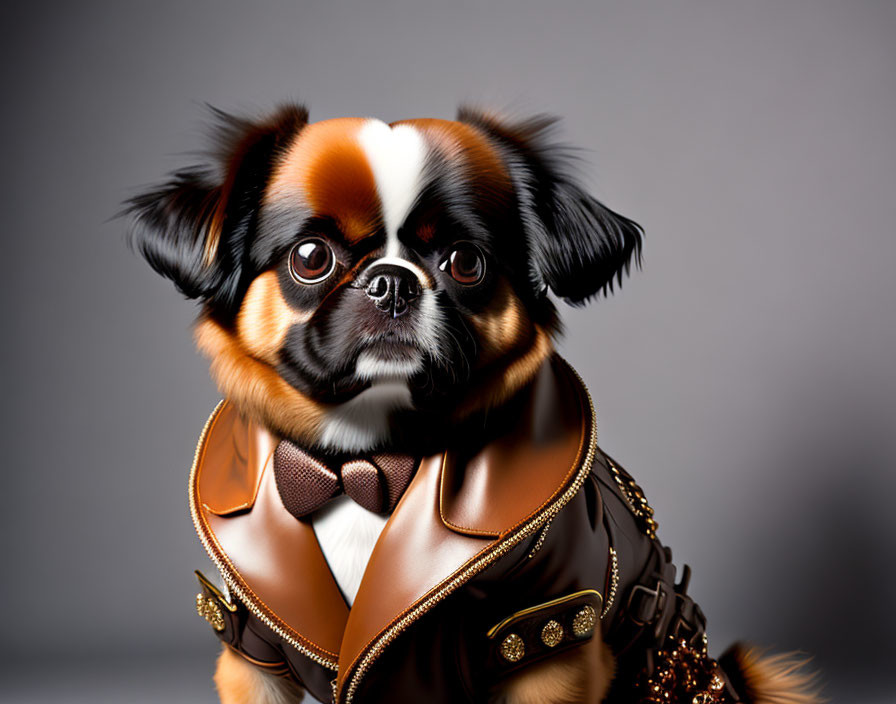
x=355 y=274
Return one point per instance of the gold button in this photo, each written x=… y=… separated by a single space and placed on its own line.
x=209 y=610
x=200 y=605
x=584 y=622
x=552 y=633
x=512 y=648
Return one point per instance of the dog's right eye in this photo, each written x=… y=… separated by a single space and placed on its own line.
x=311 y=261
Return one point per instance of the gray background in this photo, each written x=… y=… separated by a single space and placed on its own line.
x=745 y=376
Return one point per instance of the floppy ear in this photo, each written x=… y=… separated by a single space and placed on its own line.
x=578 y=246
x=195 y=228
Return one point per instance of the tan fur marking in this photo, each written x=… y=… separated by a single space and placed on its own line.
x=777 y=679
x=265 y=318
x=240 y=682
x=326 y=169
x=499 y=386
x=580 y=676
x=512 y=349
x=503 y=326
x=255 y=387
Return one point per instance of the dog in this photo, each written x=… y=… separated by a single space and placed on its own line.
x=402 y=490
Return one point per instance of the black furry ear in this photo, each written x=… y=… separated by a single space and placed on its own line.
x=578 y=245
x=195 y=229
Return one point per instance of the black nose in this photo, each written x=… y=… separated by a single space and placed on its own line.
x=392 y=289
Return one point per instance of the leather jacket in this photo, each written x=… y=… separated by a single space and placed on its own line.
x=497 y=555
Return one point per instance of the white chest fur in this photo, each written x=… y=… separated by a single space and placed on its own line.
x=347 y=533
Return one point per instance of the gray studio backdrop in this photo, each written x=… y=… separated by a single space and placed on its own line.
x=745 y=376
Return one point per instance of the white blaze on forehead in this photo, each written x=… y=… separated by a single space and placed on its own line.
x=396 y=156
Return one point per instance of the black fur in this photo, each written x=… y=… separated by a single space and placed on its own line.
x=174 y=220
x=579 y=247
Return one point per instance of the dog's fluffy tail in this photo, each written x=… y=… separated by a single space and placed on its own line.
x=771 y=679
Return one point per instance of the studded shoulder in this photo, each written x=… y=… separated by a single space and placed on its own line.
x=544 y=629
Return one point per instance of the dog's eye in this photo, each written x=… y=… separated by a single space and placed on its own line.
x=311 y=261
x=465 y=264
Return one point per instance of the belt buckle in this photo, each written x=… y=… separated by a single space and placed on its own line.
x=650 y=609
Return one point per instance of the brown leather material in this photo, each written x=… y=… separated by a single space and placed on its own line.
x=414 y=554
x=273 y=557
x=238 y=458
x=514 y=476
x=280 y=560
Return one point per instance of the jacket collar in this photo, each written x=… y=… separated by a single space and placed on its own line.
x=464 y=508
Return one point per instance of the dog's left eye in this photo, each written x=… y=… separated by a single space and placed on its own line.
x=465 y=263
x=311 y=261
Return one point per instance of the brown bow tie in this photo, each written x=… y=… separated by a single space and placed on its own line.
x=305 y=483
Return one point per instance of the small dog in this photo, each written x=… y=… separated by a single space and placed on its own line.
x=403 y=491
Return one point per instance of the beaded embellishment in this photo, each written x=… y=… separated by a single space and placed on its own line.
x=683 y=675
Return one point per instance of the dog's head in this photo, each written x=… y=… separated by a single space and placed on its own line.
x=353 y=273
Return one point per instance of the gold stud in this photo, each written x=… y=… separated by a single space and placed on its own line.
x=512 y=648
x=552 y=634
x=584 y=621
x=209 y=610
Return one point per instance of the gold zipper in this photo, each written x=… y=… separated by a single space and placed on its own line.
x=541 y=539
x=224 y=567
x=484 y=561
x=614 y=582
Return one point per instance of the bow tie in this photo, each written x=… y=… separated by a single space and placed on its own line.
x=305 y=483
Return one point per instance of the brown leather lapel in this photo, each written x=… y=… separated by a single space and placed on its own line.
x=414 y=554
x=274 y=559
x=491 y=490
x=234 y=456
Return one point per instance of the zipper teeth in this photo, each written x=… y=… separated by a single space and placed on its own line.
x=224 y=568
x=502 y=549
x=541 y=539
x=614 y=582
